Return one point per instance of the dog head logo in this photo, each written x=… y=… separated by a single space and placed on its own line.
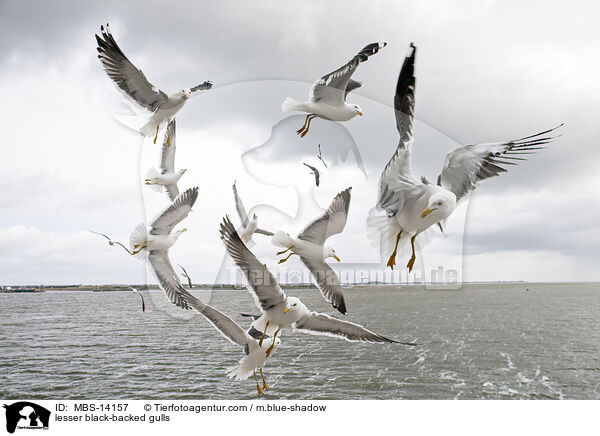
x=24 y=414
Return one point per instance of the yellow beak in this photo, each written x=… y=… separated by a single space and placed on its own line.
x=186 y=96
x=359 y=113
x=336 y=258
x=426 y=212
x=184 y=229
x=287 y=309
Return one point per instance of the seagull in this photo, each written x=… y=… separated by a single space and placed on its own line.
x=315 y=172
x=327 y=96
x=158 y=241
x=279 y=310
x=133 y=82
x=187 y=276
x=167 y=177
x=412 y=206
x=111 y=242
x=309 y=245
x=249 y=226
x=256 y=353
x=141 y=296
x=320 y=156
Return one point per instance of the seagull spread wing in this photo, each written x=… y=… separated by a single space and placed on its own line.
x=331 y=222
x=320 y=324
x=167 y=152
x=168 y=280
x=223 y=323
x=172 y=215
x=239 y=206
x=332 y=88
x=261 y=281
x=187 y=276
x=397 y=182
x=327 y=281
x=128 y=78
x=202 y=87
x=465 y=166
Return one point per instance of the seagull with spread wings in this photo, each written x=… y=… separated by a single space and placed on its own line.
x=279 y=310
x=256 y=353
x=167 y=177
x=412 y=206
x=133 y=83
x=327 y=96
x=161 y=237
x=111 y=242
x=309 y=246
x=249 y=226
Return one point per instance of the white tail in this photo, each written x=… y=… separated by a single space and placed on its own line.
x=134 y=122
x=138 y=237
x=289 y=105
x=240 y=371
x=282 y=239
x=153 y=174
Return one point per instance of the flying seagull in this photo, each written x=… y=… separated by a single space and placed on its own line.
x=315 y=172
x=256 y=353
x=141 y=296
x=187 y=276
x=158 y=241
x=327 y=96
x=279 y=310
x=111 y=242
x=411 y=206
x=133 y=82
x=320 y=156
x=309 y=245
x=167 y=177
x=249 y=226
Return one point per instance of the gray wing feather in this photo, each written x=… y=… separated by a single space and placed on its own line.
x=167 y=152
x=320 y=324
x=168 y=280
x=396 y=179
x=468 y=165
x=223 y=323
x=331 y=222
x=172 y=191
x=239 y=206
x=351 y=86
x=202 y=87
x=315 y=172
x=128 y=78
x=262 y=283
x=328 y=283
x=332 y=87
x=264 y=232
x=172 y=215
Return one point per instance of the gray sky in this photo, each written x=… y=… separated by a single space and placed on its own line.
x=486 y=71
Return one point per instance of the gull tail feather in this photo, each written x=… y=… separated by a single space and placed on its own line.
x=242 y=371
x=290 y=105
x=152 y=174
x=134 y=122
x=282 y=239
x=138 y=237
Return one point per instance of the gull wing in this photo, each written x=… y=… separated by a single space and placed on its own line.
x=466 y=166
x=264 y=232
x=397 y=181
x=172 y=215
x=223 y=323
x=327 y=281
x=331 y=222
x=202 y=87
x=332 y=88
x=127 y=76
x=315 y=172
x=167 y=151
x=321 y=324
x=262 y=283
x=168 y=280
x=239 y=206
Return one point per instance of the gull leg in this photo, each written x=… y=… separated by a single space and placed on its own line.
x=307 y=126
x=270 y=349
x=265 y=385
x=301 y=129
x=156 y=136
x=263 y=335
x=283 y=260
x=281 y=252
x=168 y=136
x=139 y=249
x=411 y=262
x=392 y=259
x=259 y=390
